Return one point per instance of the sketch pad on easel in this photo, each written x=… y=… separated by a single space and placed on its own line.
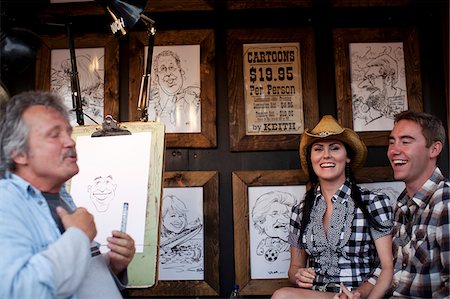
x=124 y=167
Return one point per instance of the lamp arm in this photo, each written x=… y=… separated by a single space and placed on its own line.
x=151 y=43
x=74 y=80
x=149 y=22
x=145 y=88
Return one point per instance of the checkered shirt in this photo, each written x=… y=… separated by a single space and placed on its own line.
x=358 y=257
x=422 y=255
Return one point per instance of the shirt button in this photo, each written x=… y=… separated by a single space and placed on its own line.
x=40 y=202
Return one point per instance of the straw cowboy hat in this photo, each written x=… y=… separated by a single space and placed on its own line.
x=329 y=128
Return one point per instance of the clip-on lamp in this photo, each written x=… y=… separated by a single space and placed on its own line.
x=124 y=16
x=18 y=50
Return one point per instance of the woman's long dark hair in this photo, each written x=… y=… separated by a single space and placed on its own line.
x=314 y=181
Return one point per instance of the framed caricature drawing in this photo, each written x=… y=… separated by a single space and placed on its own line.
x=377 y=76
x=262 y=202
x=182 y=85
x=189 y=236
x=269 y=215
x=181 y=248
x=98 y=72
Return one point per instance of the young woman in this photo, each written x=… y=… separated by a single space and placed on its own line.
x=340 y=232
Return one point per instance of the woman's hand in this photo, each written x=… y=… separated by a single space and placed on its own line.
x=304 y=277
x=346 y=294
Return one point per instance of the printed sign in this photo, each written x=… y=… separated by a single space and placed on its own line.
x=273 y=89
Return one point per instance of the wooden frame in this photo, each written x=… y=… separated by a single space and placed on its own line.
x=239 y=141
x=80 y=8
x=205 y=38
x=241 y=181
x=111 y=64
x=373 y=3
x=180 y=5
x=210 y=285
x=342 y=39
x=245 y=4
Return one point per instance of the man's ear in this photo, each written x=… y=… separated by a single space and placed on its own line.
x=435 y=149
x=20 y=158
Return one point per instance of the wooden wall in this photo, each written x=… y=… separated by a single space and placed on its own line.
x=428 y=18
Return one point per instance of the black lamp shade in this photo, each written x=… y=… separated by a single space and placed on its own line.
x=124 y=14
x=18 y=49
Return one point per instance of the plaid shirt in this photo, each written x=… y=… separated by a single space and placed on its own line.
x=421 y=242
x=358 y=257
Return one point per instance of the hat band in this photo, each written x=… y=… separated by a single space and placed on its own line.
x=326 y=133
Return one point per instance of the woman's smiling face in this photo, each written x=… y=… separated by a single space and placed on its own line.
x=328 y=159
x=174 y=221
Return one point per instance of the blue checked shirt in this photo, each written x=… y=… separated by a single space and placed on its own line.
x=421 y=241
x=354 y=252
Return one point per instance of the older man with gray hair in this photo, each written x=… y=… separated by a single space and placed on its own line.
x=47 y=243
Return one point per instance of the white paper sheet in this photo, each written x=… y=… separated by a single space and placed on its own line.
x=182 y=235
x=270 y=210
x=114 y=170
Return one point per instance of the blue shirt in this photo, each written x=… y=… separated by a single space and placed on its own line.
x=37 y=261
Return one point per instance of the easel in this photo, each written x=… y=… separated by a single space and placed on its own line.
x=142 y=271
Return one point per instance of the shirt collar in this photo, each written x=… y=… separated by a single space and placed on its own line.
x=23 y=184
x=423 y=195
x=343 y=193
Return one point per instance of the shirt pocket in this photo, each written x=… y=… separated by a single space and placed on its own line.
x=422 y=243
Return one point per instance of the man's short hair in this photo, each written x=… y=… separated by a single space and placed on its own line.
x=432 y=127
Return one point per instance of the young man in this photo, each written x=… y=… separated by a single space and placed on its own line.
x=421 y=234
x=46 y=242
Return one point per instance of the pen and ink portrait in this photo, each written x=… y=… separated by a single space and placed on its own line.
x=102 y=191
x=269 y=216
x=181 y=254
x=378 y=84
x=109 y=178
x=175 y=88
x=90 y=67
